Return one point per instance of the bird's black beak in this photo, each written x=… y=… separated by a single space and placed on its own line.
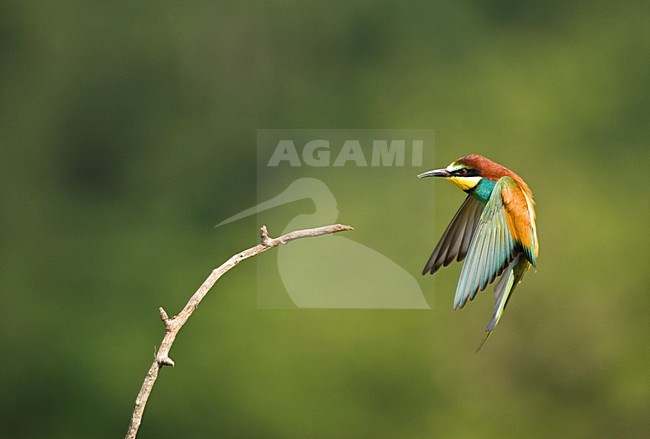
x=435 y=173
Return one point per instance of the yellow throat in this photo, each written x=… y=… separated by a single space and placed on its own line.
x=465 y=183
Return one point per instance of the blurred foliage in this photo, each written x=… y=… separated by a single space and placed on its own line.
x=128 y=130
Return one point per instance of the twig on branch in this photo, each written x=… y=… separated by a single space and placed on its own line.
x=173 y=325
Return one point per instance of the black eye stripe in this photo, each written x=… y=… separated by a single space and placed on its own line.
x=465 y=172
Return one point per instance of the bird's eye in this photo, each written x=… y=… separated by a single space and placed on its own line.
x=462 y=171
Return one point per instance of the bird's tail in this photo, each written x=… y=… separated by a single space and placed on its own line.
x=503 y=291
x=487 y=334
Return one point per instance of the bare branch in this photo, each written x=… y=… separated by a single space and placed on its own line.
x=173 y=325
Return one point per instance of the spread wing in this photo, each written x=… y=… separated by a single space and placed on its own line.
x=456 y=239
x=505 y=228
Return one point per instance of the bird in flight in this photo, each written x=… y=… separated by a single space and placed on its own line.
x=494 y=231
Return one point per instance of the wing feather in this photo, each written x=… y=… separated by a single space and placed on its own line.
x=455 y=241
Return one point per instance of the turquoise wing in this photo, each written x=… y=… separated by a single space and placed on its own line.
x=455 y=241
x=491 y=249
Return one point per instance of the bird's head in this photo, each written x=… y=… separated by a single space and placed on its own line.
x=466 y=172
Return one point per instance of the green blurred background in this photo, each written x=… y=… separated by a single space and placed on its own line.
x=128 y=131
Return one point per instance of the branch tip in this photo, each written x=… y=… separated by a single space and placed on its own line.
x=163 y=315
x=264 y=234
x=165 y=361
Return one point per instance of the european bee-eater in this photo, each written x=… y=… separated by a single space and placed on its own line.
x=494 y=229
